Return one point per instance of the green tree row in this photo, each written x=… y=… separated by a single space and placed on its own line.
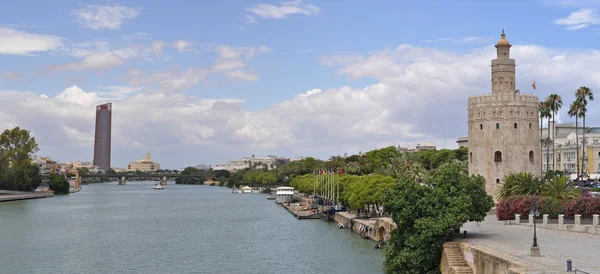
x=17 y=171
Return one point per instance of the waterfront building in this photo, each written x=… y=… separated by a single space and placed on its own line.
x=102 y=136
x=143 y=165
x=504 y=134
x=270 y=161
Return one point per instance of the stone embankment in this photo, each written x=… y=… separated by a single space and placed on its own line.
x=7 y=195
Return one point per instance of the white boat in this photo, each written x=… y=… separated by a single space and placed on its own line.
x=246 y=189
x=158 y=186
x=283 y=194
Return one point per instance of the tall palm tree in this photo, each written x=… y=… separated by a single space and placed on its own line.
x=544 y=110
x=575 y=110
x=560 y=188
x=555 y=103
x=584 y=94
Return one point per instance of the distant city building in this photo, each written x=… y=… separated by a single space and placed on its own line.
x=463 y=141
x=102 y=136
x=565 y=147
x=504 y=136
x=417 y=148
x=143 y=165
x=270 y=161
x=202 y=167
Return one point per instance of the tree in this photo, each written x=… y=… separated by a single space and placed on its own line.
x=560 y=188
x=427 y=213
x=555 y=103
x=17 y=172
x=583 y=94
x=83 y=170
x=58 y=184
x=544 y=110
x=576 y=110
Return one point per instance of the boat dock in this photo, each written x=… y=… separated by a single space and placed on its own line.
x=301 y=212
x=7 y=195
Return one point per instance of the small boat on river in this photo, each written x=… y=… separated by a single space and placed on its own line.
x=158 y=186
x=271 y=197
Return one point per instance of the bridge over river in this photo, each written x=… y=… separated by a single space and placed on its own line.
x=122 y=178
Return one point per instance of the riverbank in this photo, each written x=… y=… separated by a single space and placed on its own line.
x=8 y=195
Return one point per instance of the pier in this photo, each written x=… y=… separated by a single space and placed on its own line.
x=301 y=212
x=7 y=195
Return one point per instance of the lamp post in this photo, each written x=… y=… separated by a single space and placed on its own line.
x=535 y=250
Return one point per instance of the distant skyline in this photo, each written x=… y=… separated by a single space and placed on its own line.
x=203 y=82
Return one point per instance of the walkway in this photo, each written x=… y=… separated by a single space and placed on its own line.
x=556 y=246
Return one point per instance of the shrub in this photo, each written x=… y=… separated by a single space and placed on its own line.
x=584 y=205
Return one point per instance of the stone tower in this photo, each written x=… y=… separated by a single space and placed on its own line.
x=504 y=135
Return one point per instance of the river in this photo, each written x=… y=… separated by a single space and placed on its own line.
x=107 y=228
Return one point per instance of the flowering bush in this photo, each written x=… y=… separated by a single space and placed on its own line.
x=584 y=205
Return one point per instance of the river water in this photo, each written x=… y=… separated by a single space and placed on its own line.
x=107 y=228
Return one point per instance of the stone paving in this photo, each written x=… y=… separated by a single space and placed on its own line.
x=556 y=246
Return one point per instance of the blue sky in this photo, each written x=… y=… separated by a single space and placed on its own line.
x=79 y=54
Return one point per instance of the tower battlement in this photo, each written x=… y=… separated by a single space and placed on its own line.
x=527 y=97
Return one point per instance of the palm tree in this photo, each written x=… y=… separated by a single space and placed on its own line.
x=575 y=110
x=395 y=166
x=505 y=189
x=544 y=113
x=555 y=103
x=560 y=188
x=584 y=94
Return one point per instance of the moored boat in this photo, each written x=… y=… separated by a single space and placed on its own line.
x=284 y=194
x=158 y=186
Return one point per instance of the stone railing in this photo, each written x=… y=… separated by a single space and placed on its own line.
x=577 y=226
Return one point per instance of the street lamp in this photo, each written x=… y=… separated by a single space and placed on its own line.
x=535 y=250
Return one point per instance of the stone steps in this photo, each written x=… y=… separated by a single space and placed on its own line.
x=455 y=259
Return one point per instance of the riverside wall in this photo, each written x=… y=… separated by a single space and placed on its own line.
x=377 y=229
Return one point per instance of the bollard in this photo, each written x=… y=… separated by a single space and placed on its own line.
x=569 y=265
x=595 y=219
x=546 y=216
x=518 y=218
x=531 y=219
x=577 y=219
x=561 y=219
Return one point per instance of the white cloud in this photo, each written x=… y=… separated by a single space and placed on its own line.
x=418 y=95
x=18 y=42
x=99 y=60
x=157 y=47
x=269 y=11
x=580 y=19
x=230 y=63
x=105 y=17
x=168 y=81
x=183 y=46
x=11 y=75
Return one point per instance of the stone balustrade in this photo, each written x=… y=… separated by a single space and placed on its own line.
x=576 y=226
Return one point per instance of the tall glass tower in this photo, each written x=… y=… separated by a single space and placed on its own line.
x=102 y=137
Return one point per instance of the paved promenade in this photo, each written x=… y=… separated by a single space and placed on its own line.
x=514 y=241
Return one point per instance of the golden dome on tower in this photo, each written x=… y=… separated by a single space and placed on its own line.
x=503 y=40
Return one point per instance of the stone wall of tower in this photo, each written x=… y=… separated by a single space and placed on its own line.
x=503 y=76
x=508 y=124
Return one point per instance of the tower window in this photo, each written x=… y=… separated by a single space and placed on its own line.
x=515 y=125
x=481 y=126
x=497 y=181
x=529 y=125
x=497 y=126
x=471 y=156
x=531 y=156
x=498 y=157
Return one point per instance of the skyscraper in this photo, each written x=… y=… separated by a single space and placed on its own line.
x=102 y=136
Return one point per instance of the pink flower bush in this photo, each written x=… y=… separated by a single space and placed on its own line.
x=584 y=205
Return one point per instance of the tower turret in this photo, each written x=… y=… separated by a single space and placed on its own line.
x=503 y=68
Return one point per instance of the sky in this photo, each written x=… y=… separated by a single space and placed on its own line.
x=204 y=82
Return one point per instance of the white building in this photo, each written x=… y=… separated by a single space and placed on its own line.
x=234 y=165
